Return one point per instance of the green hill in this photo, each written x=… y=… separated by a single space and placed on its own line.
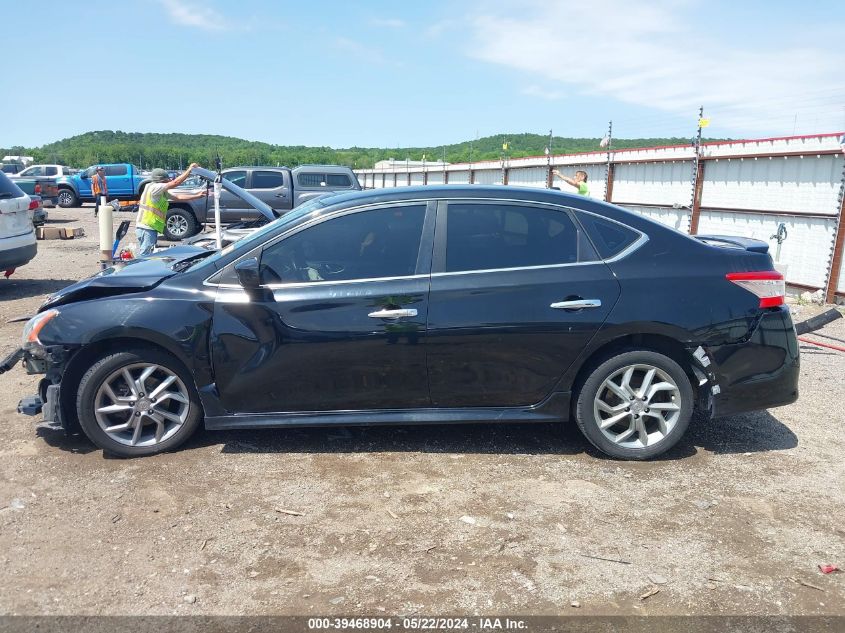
x=175 y=150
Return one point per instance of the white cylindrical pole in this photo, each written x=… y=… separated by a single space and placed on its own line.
x=217 y=229
x=106 y=226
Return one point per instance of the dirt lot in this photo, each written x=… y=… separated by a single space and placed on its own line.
x=487 y=519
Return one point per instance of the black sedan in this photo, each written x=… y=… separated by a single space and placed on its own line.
x=422 y=305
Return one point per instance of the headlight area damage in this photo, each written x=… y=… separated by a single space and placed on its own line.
x=39 y=359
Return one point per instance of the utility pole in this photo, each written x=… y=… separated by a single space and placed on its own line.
x=697 y=178
x=608 y=172
x=549 y=162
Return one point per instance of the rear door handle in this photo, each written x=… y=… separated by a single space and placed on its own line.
x=576 y=304
x=393 y=314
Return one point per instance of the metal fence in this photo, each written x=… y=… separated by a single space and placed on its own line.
x=747 y=188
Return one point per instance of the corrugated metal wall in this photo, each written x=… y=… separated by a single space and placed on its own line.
x=748 y=188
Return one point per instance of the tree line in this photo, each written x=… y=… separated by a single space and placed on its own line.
x=174 y=151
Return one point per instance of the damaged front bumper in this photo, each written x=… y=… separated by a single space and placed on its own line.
x=41 y=360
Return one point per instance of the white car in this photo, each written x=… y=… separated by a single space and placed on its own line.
x=39 y=171
x=17 y=233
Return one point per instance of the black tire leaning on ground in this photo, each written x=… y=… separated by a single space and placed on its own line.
x=584 y=404
x=106 y=366
x=67 y=198
x=188 y=221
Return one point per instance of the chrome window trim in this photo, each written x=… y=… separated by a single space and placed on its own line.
x=631 y=248
x=310 y=223
x=321 y=284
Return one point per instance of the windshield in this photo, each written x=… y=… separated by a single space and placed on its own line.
x=253 y=239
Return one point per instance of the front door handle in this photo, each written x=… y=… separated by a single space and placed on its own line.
x=281 y=195
x=576 y=304
x=393 y=314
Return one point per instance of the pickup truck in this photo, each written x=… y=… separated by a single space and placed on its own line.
x=125 y=182
x=46 y=188
x=39 y=171
x=280 y=188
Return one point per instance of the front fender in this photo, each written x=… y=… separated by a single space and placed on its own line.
x=178 y=324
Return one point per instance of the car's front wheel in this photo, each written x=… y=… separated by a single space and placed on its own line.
x=67 y=198
x=138 y=402
x=635 y=405
x=180 y=224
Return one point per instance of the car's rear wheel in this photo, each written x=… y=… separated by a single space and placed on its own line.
x=180 y=225
x=635 y=405
x=138 y=402
x=68 y=199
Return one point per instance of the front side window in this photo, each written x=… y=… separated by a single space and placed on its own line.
x=33 y=172
x=236 y=178
x=364 y=245
x=491 y=236
x=267 y=180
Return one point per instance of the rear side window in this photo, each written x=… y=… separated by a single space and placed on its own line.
x=338 y=180
x=490 y=236
x=311 y=180
x=115 y=170
x=9 y=189
x=51 y=171
x=609 y=238
x=267 y=179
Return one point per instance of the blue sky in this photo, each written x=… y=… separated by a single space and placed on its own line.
x=422 y=73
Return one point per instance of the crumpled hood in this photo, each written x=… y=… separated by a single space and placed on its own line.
x=136 y=275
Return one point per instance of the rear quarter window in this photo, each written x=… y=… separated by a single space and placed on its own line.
x=610 y=238
x=338 y=180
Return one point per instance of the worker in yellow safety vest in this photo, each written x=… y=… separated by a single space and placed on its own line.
x=152 y=209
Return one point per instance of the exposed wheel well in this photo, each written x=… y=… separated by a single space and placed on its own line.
x=82 y=361
x=656 y=342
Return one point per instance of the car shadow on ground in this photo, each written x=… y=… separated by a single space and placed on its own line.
x=747 y=433
x=23 y=288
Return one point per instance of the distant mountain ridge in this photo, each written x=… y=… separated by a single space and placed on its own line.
x=174 y=150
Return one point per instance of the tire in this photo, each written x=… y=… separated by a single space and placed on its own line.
x=167 y=420
x=180 y=224
x=67 y=198
x=650 y=421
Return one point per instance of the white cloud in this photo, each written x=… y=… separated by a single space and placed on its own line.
x=542 y=93
x=650 y=55
x=195 y=15
x=389 y=23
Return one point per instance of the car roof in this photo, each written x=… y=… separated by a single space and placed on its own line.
x=496 y=192
x=428 y=192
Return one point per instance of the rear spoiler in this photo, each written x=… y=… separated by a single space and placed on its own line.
x=745 y=243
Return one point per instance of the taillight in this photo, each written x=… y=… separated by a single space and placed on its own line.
x=768 y=285
x=33 y=204
x=37 y=189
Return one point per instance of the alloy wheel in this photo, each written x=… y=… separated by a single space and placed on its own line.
x=66 y=198
x=637 y=406
x=177 y=226
x=142 y=404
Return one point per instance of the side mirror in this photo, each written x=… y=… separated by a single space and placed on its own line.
x=248 y=274
x=84 y=175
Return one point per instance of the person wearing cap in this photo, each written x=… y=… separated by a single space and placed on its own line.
x=152 y=209
x=99 y=186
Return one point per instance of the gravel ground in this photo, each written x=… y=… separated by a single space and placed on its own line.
x=433 y=520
